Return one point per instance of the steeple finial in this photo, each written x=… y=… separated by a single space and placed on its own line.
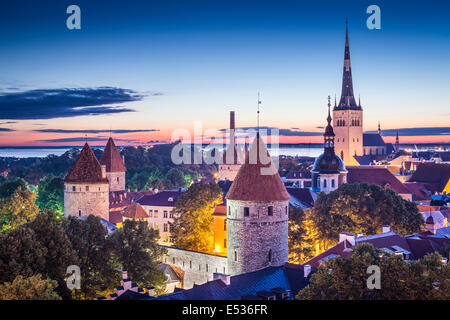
x=329 y=115
x=379 y=128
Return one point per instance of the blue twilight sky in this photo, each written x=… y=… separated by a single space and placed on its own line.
x=161 y=65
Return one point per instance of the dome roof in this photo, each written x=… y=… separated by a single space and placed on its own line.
x=329 y=162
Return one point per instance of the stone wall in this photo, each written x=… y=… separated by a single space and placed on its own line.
x=198 y=267
x=116 y=181
x=85 y=199
x=228 y=171
x=258 y=240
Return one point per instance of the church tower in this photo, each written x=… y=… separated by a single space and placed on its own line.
x=348 y=115
x=115 y=168
x=86 y=188
x=329 y=171
x=257 y=214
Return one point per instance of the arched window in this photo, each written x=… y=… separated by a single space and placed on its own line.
x=79 y=213
x=332 y=183
x=343 y=123
x=324 y=183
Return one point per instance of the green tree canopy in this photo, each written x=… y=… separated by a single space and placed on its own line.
x=88 y=238
x=31 y=288
x=9 y=187
x=40 y=246
x=364 y=208
x=192 y=228
x=346 y=278
x=299 y=245
x=51 y=194
x=136 y=250
x=17 y=208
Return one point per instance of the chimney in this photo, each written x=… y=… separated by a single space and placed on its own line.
x=386 y=229
x=232 y=129
x=347 y=236
x=306 y=270
x=103 y=171
x=226 y=278
x=124 y=275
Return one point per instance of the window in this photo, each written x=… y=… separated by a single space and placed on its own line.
x=165 y=227
x=332 y=183
x=87 y=188
x=270 y=211
x=324 y=183
x=170 y=228
x=173 y=260
x=270 y=255
x=235 y=255
x=79 y=213
x=150 y=213
x=246 y=212
x=165 y=213
x=118 y=179
x=171 y=214
x=190 y=264
x=225 y=243
x=225 y=225
x=206 y=267
x=155 y=213
x=286 y=210
x=229 y=210
x=73 y=188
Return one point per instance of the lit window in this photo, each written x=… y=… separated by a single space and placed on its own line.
x=224 y=243
x=224 y=225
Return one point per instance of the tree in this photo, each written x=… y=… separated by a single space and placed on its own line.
x=136 y=250
x=51 y=194
x=9 y=187
x=40 y=246
x=346 y=278
x=17 y=209
x=32 y=288
x=192 y=227
x=300 y=249
x=176 y=177
x=364 y=208
x=88 y=239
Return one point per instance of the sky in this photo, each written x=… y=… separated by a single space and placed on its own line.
x=140 y=70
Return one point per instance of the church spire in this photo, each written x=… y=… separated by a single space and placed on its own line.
x=379 y=128
x=397 y=142
x=329 y=133
x=347 y=98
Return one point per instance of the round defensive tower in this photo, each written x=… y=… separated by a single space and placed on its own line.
x=257 y=214
x=86 y=187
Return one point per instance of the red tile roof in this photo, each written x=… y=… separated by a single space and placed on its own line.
x=112 y=159
x=135 y=211
x=86 y=168
x=256 y=181
x=435 y=175
x=115 y=217
x=342 y=249
x=375 y=175
x=418 y=190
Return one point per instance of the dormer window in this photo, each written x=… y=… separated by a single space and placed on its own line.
x=170 y=199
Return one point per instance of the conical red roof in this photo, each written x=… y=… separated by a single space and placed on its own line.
x=86 y=168
x=258 y=179
x=111 y=158
x=135 y=211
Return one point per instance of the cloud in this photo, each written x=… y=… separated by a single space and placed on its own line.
x=65 y=102
x=88 y=139
x=282 y=132
x=94 y=131
x=6 y=130
x=411 y=132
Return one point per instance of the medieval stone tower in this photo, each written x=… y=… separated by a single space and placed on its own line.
x=115 y=168
x=232 y=157
x=86 y=187
x=348 y=116
x=257 y=214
